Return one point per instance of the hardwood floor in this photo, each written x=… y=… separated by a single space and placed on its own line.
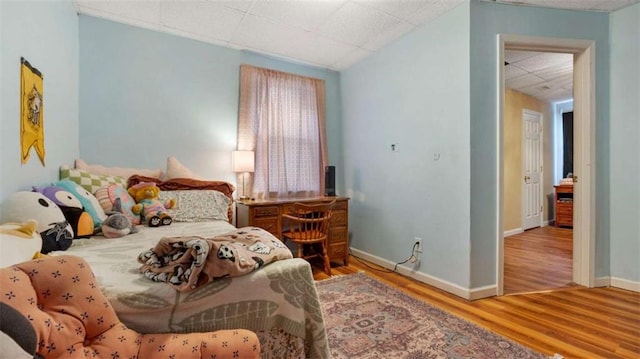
x=538 y=259
x=575 y=322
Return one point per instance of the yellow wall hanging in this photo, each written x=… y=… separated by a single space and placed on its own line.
x=31 y=111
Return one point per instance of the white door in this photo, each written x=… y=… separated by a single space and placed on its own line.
x=532 y=169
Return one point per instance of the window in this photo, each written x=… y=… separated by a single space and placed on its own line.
x=281 y=118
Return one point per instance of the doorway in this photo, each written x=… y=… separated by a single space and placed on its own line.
x=584 y=137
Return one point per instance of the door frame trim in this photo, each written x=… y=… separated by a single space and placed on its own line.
x=584 y=100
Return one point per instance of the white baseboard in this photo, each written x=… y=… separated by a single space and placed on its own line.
x=512 y=232
x=409 y=271
x=617 y=283
x=625 y=284
x=602 y=282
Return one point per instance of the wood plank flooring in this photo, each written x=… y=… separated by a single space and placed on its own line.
x=538 y=259
x=575 y=322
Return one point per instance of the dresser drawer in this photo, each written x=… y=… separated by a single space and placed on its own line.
x=266 y=211
x=338 y=235
x=342 y=205
x=564 y=210
x=268 y=224
x=338 y=218
x=564 y=220
x=337 y=251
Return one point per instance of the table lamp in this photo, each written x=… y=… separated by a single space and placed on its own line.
x=243 y=162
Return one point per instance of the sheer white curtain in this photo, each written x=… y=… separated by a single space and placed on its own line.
x=282 y=119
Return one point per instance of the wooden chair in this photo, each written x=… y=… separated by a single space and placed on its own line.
x=308 y=224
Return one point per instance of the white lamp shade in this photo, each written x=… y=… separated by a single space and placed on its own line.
x=243 y=161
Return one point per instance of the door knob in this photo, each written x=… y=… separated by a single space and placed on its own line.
x=526 y=178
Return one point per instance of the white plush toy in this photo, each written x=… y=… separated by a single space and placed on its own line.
x=54 y=229
x=19 y=242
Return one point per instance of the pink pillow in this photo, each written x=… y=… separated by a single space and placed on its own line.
x=175 y=169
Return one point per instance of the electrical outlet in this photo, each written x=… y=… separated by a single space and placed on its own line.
x=417 y=246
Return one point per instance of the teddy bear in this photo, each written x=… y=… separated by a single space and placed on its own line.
x=148 y=206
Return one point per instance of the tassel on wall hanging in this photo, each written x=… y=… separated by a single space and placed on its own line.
x=31 y=111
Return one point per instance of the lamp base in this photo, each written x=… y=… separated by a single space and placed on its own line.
x=244 y=198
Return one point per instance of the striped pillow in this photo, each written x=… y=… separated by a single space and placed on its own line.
x=89 y=181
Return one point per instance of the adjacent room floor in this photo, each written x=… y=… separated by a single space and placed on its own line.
x=538 y=259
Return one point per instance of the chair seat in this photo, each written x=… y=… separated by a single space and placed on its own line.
x=306 y=237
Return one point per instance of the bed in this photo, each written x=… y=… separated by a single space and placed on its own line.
x=278 y=301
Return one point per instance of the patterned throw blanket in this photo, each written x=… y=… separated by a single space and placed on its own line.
x=187 y=263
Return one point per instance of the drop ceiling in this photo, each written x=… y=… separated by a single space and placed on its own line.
x=545 y=76
x=332 y=34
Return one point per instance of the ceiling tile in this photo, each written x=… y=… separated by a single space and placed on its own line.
x=132 y=11
x=316 y=49
x=207 y=19
x=543 y=61
x=265 y=35
x=436 y=9
x=386 y=37
x=198 y=37
x=308 y=14
x=240 y=5
x=356 y=24
x=555 y=72
x=512 y=71
x=353 y=57
x=523 y=81
x=403 y=9
x=611 y=5
x=513 y=56
x=564 y=4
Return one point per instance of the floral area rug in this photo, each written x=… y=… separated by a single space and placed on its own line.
x=368 y=319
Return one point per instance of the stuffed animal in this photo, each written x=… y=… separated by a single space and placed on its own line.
x=54 y=229
x=148 y=206
x=117 y=224
x=80 y=220
x=19 y=242
x=89 y=201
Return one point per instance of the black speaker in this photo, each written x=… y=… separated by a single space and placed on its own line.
x=330 y=181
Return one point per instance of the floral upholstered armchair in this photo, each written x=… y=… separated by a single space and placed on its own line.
x=53 y=308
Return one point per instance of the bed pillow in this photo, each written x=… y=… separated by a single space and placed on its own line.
x=108 y=195
x=125 y=172
x=175 y=169
x=190 y=184
x=89 y=201
x=196 y=206
x=91 y=182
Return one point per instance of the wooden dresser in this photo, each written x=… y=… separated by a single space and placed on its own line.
x=267 y=214
x=564 y=205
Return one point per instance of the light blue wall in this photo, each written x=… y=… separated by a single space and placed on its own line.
x=414 y=93
x=487 y=21
x=147 y=95
x=625 y=147
x=46 y=34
